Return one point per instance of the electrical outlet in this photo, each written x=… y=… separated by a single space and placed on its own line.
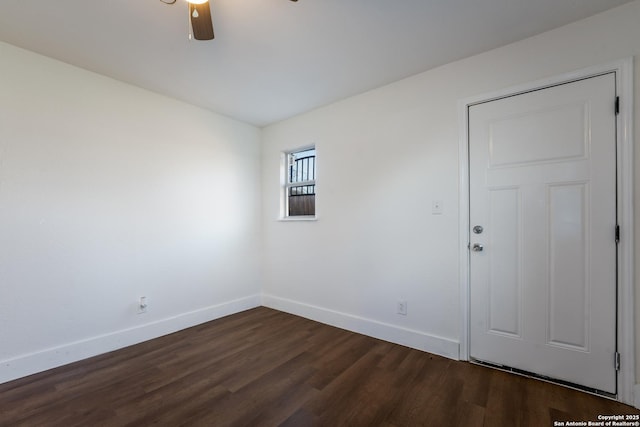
x=402 y=307
x=436 y=207
x=142 y=305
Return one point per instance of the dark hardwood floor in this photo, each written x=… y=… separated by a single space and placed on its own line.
x=267 y=368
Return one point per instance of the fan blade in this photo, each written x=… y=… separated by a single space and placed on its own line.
x=202 y=25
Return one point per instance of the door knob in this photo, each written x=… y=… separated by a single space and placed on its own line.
x=477 y=247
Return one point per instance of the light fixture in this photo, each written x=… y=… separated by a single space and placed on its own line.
x=195 y=13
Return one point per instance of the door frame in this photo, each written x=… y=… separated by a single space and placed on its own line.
x=623 y=70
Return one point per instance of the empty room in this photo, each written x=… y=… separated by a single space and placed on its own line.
x=319 y=213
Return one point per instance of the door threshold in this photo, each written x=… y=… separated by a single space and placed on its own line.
x=568 y=384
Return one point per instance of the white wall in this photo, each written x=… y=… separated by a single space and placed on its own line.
x=109 y=192
x=383 y=157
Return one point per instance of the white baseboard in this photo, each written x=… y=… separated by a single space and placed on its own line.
x=32 y=363
x=384 y=331
x=636 y=396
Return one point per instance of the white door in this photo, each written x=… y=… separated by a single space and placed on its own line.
x=542 y=170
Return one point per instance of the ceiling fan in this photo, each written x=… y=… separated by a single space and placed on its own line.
x=200 y=18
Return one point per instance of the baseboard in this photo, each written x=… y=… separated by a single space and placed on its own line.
x=32 y=363
x=384 y=331
x=636 y=396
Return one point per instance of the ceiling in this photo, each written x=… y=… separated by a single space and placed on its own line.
x=273 y=59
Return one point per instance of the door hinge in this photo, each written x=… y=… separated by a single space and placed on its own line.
x=617 y=105
x=617 y=233
x=617 y=361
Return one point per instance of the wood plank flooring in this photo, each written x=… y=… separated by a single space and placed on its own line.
x=267 y=368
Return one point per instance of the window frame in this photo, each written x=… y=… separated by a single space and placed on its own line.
x=286 y=185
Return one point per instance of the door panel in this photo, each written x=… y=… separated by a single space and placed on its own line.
x=542 y=185
x=568 y=263
x=504 y=268
x=532 y=136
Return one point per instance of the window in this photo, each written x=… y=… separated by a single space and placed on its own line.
x=300 y=183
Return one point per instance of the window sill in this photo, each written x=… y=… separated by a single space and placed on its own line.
x=298 y=218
